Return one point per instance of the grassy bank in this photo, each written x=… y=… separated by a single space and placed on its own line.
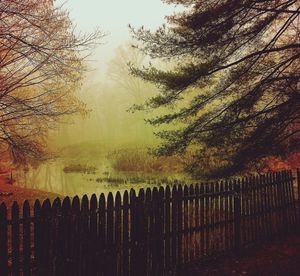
x=11 y=192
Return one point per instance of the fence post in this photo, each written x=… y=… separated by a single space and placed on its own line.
x=237 y=216
x=26 y=239
x=298 y=184
x=3 y=240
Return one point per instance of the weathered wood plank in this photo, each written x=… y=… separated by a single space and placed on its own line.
x=46 y=236
x=197 y=222
x=15 y=239
x=93 y=236
x=26 y=240
x=125 y=267
x=118 y=233
x=110 y=234
x=174 y=228
x=38 y=243
x=75 y=236
x=168 y=230
x=202 y=221
x=180 y=221
x=185 y=224
x=3 y=240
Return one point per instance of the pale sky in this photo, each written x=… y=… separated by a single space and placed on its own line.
x=113 y=17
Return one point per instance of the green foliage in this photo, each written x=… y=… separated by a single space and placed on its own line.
x=241 y=60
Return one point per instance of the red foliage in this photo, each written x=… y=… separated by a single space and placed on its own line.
x=292 y=162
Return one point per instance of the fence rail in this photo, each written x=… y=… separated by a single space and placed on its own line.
x=154 y=232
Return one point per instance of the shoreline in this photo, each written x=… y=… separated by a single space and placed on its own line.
x=9 y=193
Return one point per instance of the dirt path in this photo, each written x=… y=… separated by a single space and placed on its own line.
x=278 y=258
x=10 y=193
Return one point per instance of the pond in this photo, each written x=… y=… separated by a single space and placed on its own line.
x=56 y=176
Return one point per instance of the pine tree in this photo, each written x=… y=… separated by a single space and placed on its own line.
x=237 y=66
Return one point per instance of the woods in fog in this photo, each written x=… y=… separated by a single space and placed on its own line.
x=215 y=87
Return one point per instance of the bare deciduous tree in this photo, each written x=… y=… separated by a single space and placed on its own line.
x=119 y=73
x=42 y=65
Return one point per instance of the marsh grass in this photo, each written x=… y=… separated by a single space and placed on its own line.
x=139 y=160
x=79 y=168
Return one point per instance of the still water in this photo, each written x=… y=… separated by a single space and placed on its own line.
x=51 y=177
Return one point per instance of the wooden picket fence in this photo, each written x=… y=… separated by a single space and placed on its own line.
x=154 y=232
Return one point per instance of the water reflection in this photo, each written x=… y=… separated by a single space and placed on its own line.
x=51 y=177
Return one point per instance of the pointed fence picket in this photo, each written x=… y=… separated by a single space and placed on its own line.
x=152 y=232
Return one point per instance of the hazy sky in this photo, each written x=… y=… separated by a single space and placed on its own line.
x=113 y=17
